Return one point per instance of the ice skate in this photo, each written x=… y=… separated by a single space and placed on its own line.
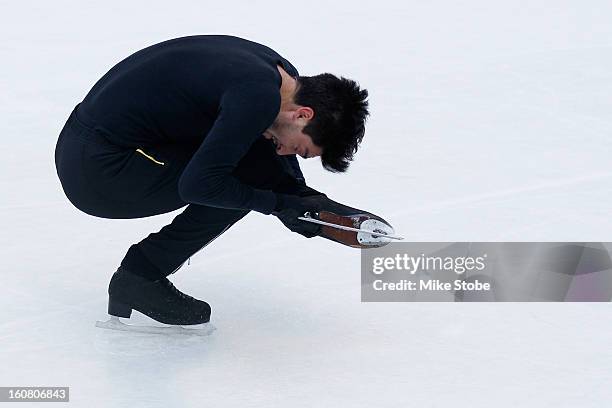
x=351 y=226
x=159 y=300
x=357 y=230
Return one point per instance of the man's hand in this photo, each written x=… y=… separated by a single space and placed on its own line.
x=289 y=207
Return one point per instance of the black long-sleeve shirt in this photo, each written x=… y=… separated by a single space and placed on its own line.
x=216 y=93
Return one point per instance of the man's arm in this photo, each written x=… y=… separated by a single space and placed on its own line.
x=292 y=161
x=245 y=112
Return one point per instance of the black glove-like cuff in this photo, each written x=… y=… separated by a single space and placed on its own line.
x=289 y=208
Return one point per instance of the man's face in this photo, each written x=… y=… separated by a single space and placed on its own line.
x=287 y=134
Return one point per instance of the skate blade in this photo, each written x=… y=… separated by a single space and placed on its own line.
x=114 y=323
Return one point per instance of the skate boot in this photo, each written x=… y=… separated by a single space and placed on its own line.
x=159 y=300
x=336 y=213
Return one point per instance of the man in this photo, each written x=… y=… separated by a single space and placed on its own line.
x=211 y=122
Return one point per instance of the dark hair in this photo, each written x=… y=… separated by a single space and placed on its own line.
x=340 y=111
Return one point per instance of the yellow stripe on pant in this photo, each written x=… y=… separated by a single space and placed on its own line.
x=149 y=157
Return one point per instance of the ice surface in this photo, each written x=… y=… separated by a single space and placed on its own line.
x=490 y=122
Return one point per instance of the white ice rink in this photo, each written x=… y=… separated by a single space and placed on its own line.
x=491 y=121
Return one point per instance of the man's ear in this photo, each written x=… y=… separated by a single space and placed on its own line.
x=305 y=112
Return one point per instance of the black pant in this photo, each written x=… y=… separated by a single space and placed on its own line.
x=110 y=181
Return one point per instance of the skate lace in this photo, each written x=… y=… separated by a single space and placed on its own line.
x=166 y=282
